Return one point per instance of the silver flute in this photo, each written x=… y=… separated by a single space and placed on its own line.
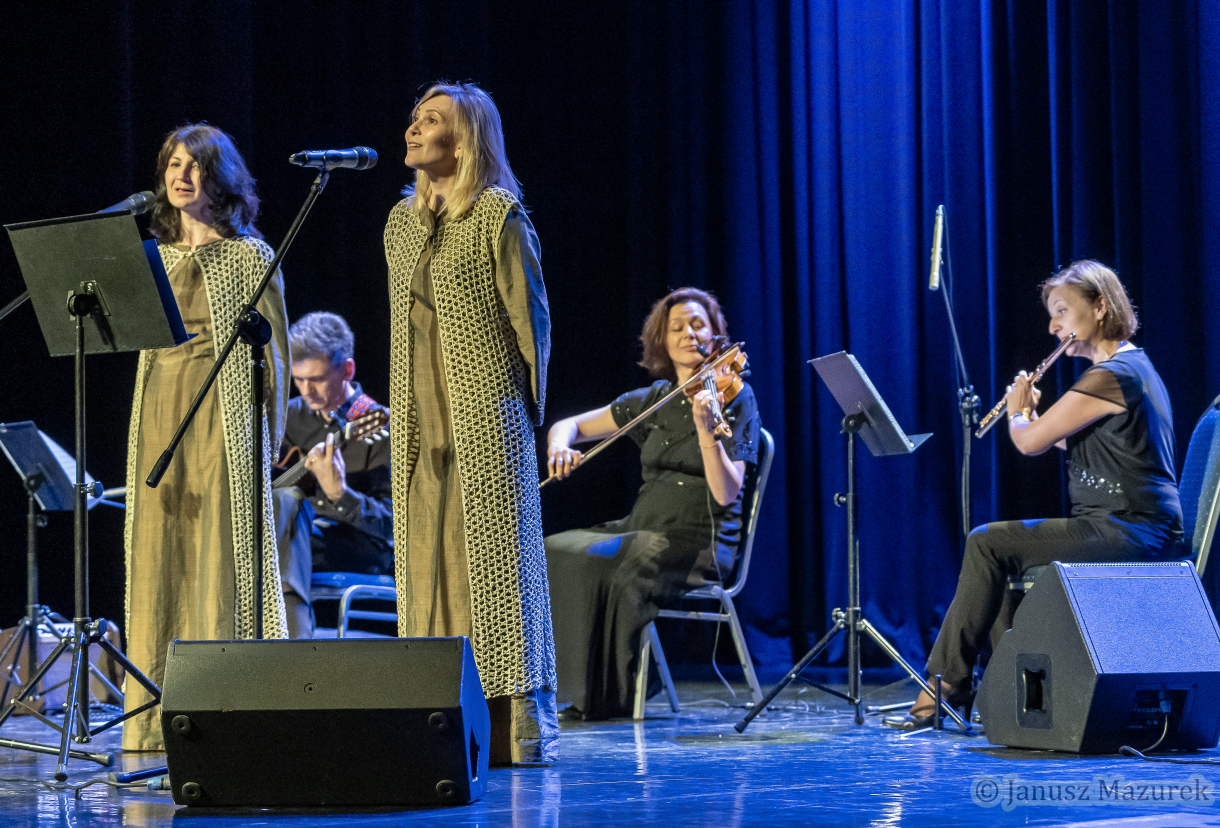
x=993 y=416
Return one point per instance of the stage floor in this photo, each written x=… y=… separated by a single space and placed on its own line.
x=804 y=763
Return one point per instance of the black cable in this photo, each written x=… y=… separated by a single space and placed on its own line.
x=1127 y=750
x=60 y=786
x=1164 y=733
x=720 y=583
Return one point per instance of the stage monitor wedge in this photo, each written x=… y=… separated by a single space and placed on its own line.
x=365 y=722
x=1100 y=656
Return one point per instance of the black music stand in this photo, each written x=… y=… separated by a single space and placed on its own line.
x=47 y=487
x=46 y=471
x=96 y=288
x=866 y=414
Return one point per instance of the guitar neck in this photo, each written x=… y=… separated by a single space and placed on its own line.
x=297 y=470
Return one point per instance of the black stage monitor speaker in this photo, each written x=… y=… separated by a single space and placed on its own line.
x=393 y=721
x=1102 y=655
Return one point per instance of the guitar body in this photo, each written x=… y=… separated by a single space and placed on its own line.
x=368 y=424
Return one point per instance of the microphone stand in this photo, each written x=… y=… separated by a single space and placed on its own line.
x=254 y=330
x=13 y=305
x=968 y=403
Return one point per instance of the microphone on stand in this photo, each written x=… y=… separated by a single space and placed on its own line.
x=356 y=158
x=138 y=204
x=934 y=279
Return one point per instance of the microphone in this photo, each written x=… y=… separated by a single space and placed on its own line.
x=138 y=203
x=356 y=158
x=934 y=279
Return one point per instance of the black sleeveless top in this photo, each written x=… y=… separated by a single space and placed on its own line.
x=1122 y=466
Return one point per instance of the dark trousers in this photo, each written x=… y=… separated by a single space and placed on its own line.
x=999 y=550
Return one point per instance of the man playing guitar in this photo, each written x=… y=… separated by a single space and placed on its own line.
x=338 y=515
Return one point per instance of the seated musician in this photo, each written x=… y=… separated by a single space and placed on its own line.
x=1116 y=426
x=338 y=517
x=606 y=582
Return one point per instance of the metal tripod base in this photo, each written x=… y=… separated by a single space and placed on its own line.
x=38 y=619
x=25 y=640
x=75 y=726
x=853 y=623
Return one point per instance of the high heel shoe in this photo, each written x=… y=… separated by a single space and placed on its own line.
x=910 y=720
x=921 y=716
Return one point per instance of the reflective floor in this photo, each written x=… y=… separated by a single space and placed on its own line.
x=804 y=763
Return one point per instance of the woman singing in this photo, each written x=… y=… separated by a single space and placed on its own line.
x=1117 y=428
x=607 y=582
x=190 y=541
x=470 y=338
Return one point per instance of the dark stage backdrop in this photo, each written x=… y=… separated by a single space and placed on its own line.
x=787 y=155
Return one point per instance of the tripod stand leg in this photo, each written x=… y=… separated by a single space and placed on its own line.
x=34 y=680
x=129 y=668
x=839 y=626
x=131 y=671
x=96 y=672
x=894 y=654
x=20 y=635
x=79 y=658
x=103 y=759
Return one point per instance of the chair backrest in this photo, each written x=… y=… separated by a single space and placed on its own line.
x=751 y=503
x=1199 y=489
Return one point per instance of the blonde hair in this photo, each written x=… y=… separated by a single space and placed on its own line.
x=1092 y=280
x=482 y=164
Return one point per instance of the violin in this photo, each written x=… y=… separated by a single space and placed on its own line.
x=726 y=381
x=724 y=366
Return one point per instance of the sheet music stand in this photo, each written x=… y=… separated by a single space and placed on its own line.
x=866 y=414
x=96 y=288
x=46 y=471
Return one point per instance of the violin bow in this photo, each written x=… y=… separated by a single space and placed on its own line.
x=725 y=357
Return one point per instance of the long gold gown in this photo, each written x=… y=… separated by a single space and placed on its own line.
x=182 y=583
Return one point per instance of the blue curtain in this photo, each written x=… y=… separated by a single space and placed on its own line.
x=788 y=154
x=1050 y=133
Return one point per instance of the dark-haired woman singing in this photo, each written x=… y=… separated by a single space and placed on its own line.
x=190 y=541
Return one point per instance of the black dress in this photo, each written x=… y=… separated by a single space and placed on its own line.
x=1125 y=507
x=607 y=582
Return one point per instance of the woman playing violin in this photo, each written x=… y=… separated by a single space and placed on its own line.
x=606 y=582
x=1116 y=426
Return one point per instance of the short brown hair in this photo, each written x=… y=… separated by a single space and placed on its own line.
x=1092 y=280
x=225 y=179
x=656 y=356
